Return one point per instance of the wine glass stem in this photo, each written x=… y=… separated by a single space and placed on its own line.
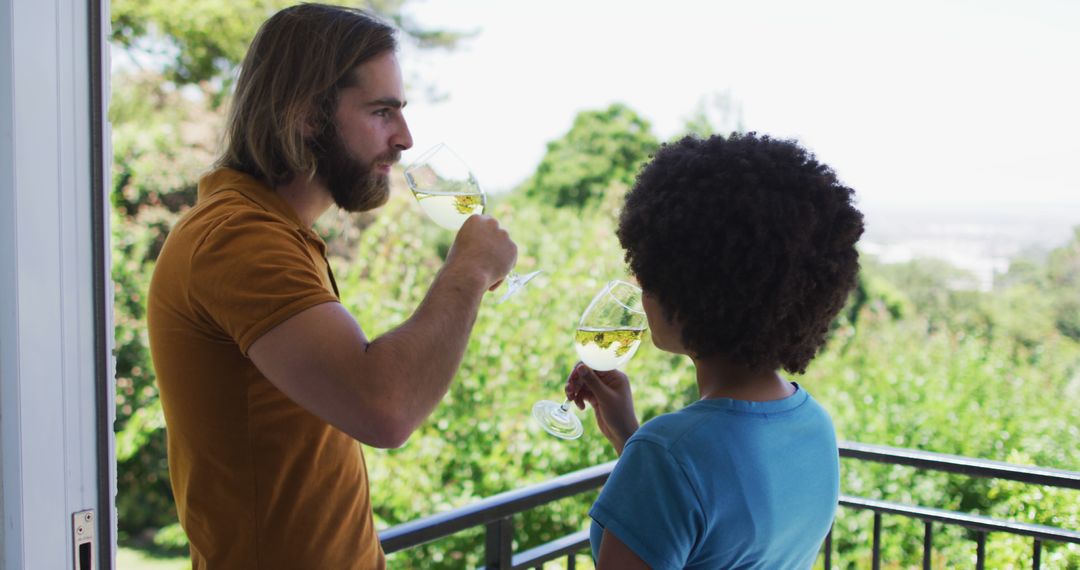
x=565 y=406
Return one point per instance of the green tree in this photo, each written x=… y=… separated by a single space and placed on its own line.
x=940 y=291
x=874 y=293
x=202 y=41
x=601 y=153
x=1063 y=274
x=161 y=141
x=1045 y=294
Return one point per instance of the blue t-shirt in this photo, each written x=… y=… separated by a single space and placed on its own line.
x=725 y=484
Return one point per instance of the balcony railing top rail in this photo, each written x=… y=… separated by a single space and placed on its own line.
x=496 y=512
x=960 y=464
x=494 y=508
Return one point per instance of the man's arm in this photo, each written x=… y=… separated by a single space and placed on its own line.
x=380 y=391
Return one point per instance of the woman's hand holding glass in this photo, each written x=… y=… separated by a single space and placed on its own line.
x=607 y=336
x=609 y=394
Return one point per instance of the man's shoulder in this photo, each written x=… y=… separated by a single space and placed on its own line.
x=225 y=213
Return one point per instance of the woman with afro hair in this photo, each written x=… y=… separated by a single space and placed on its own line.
x=744 y=247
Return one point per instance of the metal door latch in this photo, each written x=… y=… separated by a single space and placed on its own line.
x=82 y=534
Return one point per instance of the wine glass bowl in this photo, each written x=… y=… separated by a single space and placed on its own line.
x=448 y=192
x=607 y=336
x=445 y=188
x=611 y=328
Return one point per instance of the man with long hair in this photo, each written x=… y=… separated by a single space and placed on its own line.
x=266 y=381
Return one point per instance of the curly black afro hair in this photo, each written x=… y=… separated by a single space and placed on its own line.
x=748 y=242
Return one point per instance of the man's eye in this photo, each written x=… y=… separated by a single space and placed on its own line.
x=382 y=113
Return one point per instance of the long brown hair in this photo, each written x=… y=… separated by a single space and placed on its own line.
x=290 y=77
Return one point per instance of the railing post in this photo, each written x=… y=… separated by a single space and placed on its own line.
x=1036 y=555
x=499 y=544
x=877 y=541
x=828 y=548
x=980 y=550
x=927 y=544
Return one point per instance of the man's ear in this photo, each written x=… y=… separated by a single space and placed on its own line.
x=313 y=122
x=308 y=127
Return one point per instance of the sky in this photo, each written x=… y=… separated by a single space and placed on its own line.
x=913 y=103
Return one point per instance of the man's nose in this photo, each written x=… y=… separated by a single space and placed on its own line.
x=402 y=140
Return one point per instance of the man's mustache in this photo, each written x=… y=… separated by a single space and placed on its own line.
x=391 y=157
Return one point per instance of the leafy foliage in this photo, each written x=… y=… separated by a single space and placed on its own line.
x=898 y=383
x=1060 y=281
x=602 y=152
x=202 y=41
x=159 y=148
x=204 y=38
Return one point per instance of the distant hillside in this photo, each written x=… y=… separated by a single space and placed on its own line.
x=979 y=238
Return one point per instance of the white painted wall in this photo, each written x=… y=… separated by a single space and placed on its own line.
x=48 y=386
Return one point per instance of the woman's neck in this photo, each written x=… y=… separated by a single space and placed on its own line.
x=717 y=378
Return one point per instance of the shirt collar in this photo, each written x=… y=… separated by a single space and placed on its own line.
x=223 y=179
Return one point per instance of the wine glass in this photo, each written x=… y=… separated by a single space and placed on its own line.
x=607 y=336
x=448 y=193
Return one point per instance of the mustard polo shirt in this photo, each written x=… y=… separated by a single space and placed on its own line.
x=259 y=482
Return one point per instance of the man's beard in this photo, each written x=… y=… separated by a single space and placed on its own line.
x=352 y=184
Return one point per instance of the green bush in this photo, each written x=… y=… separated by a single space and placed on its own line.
x=893 y=383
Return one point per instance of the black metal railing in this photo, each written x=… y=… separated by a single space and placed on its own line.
x=496 y=513
x=980 y=525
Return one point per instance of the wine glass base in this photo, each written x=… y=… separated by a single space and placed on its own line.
x=559 y=422
x=516 y=282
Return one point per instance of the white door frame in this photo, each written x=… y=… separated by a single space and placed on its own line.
x=56 y=369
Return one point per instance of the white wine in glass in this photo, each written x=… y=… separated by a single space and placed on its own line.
x=609 y=333
x=448 y=193
x=607 y=349
x=450 y=210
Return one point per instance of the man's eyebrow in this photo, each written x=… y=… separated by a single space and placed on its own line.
x=387 y=102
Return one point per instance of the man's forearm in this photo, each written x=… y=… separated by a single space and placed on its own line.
x=417 y=360
x=380 y=391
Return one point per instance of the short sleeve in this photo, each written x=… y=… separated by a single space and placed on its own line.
x=251 y=273
x=650 y=505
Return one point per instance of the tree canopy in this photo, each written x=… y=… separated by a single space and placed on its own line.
x=204 y=40
x=603 y=149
